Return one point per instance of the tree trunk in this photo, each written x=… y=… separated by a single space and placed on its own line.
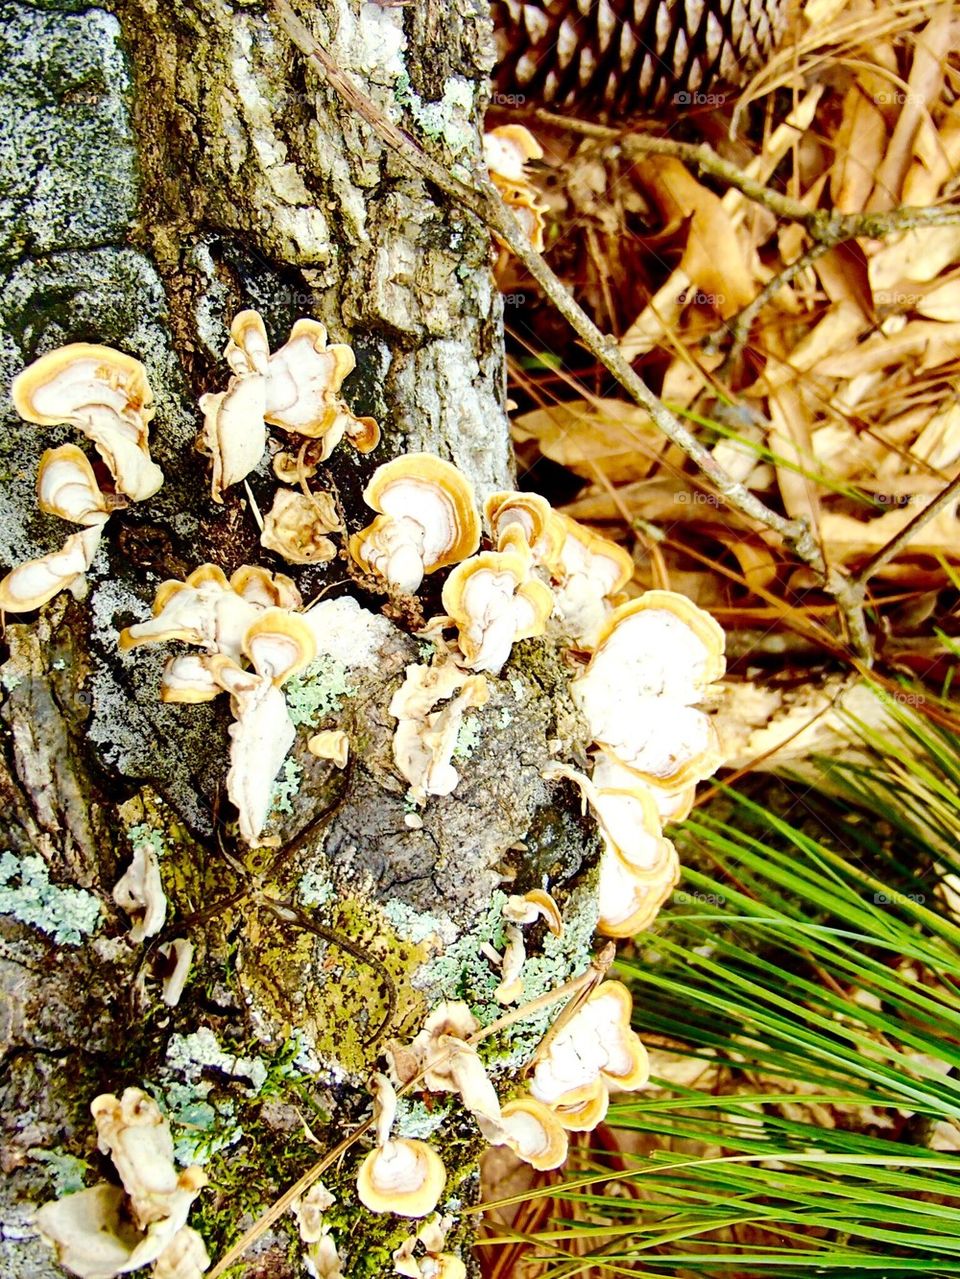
x=171 y=162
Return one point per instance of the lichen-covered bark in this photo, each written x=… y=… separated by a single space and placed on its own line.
x=165 y=163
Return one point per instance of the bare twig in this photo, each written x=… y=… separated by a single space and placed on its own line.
x=896 y=544
x=482 y=199
x=825 y=226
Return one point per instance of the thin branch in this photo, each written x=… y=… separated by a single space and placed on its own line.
x=896 y=544
x=483 y=200
x=825 y=226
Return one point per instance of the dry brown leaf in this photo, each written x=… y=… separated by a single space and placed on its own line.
x=917 y=256
x=714 y=257
x=860 y=143
x=923 y=89
x=587 y=436
x=846 y=539
x=938 y=444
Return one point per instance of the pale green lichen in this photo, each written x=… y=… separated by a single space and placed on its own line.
x=416 y=1120
x=449 y=121
x=145 y=834
x=66 y=1171
x=468 y=736
x=461 y=972
x=10 y=679
x=189 y=1055
x=200 y=1129
x=317 y=691
x=504 y=718
x=315 y=889
x=26 y=893
x=286 y=784
x=412 y=925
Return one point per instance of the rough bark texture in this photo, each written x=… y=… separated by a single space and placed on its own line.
x=166 y=163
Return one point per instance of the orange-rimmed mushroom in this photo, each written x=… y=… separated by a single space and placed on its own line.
x=332 y=744
x=303 y=390
x=259 y=586
x=67 y=487
x=639 y=868
x=654 y=659
x=534 y=518
x=427 y=519
x=597 y=1046
x=35 y=582
x=248 y=350
x=532 y=906
x=106 y=395
x=494 y=601
x=187 y=680
x=234 y=434
x=203 y=609
x=403 y=1176
x=506 y=150
x=296 y=527
x=534 y=1132
x=279 y=644
x=592 y=570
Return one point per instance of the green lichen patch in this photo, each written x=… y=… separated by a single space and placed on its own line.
x=318 y=691
x=67 y=915
x=67 y=1173
x=285 y=787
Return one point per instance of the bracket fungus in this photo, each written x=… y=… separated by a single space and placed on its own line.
x=296 y=388
x=595 y=1051
x=235 y=620
x=507 y=149
x=296 y=527
x=424 y=739
x=67 y=487
x=403 y=1176
x=140 y=893
x=494 y=601
x=106 y=395
x=107 y=1230
x=639 y=867
x=534 y=519
x=427 y=520
x=32 y=584
x=533 y=1132
x=655 y=658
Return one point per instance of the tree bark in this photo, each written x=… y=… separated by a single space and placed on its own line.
x=171 y=162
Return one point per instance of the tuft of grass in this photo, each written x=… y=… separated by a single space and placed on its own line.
x=803 y=991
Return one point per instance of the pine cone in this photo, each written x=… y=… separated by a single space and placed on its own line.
x=623 y=56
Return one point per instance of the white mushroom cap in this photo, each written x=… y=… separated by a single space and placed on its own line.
x=187 y=678
x=67 y=486
x=494 y=601
x=89 y=1235
x=303 y=385
x=136 y=1136
x=510 y=989
x=204 y=609
x=654 y=658
x=248 y=350
x=309 y=1210
x=597 y=1043
x=534 y=1132
x=103 y=392
x=332 y=744
x=180 y=953
x=424 y=739
x=140 y=893
x=507 y=149
x=531 y=906
x=185 y=1257
x=428 y=519
x=260 y=740
x=32 y=584
x=403 y=1176
x=234 y=433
